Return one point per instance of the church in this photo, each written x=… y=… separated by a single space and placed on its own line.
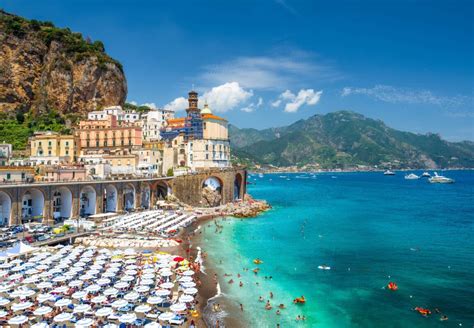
x=200 y=140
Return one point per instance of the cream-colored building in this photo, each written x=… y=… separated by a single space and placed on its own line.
x=51 y=148
x=122 y=164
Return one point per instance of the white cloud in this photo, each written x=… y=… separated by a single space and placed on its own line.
x=178 y=104
x=150 y=105
x=270 y=72
x=293 y=102
x=226 y=96
x=260 y=102
x=253 y=106
x=133 y=103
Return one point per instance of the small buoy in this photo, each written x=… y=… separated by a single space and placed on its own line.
x=411 y=296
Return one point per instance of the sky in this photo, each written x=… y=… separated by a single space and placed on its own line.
x=270 y=63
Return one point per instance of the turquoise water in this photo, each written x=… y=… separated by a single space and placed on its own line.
x=371 y=229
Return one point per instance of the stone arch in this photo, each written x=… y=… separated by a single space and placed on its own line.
x=145 y=196
x=211 y=193
x=238 y=186
x=5 y=208
x=62 y=204
x=110 y=198
x=32 y=205
x=128 y=197
x=88 y=199
x=162 y=190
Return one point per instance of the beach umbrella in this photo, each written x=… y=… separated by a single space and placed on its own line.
x=185 y=279
x=128 y=318
x=41 y=298
x=31 y=280
x=15 y=276
x=82 y=308
x=62 y=302
x=154 y=300
x=147 y=282
x=21 y=306
x=130 y=261
x=93 y=272
x=152 y=325
x=75 y=283
x=186 y=299
x=131 y=272
x=188 y=273
x=60 y=279
x=76 y=269
x=132 y=296
x=166 y=274
x=82 y=294
x=108 y=274
x=121 y=285
x=162 y=292
x=127 y=278
x=167 y=285
x=45 y=274
x=3 y=313
x=54 y=271
x=99 y=299
x=188 y=284
x=178 y=259
x=6 y=265
x=142 y=289
x=31 y=271
x=22 y=293
x=43 y=310
x=143 y=308
x=119 y=304
x=63 y=317
x=40 y=325
x=190 y=291
x=166 y=316
x=148 y=276
x=103 y=281
x=131 y=267
x=110 y=325
x=93 y=288
x=86 y=277
x=18 y=268
x=85 y=322
x=148 y=270
x=5 y=288
x=60 y=290
x=44 y=285
x=103 y=312
x=18 y=320
x=95 y=267
x=111 y=291
x=178 y=307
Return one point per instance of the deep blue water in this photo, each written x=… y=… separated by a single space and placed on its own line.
x=371 y=229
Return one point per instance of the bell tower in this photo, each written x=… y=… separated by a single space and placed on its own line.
x=192 y=103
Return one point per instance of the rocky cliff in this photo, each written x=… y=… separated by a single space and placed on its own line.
x=44 y=68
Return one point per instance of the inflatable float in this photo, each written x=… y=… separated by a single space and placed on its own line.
x=257 y=261
x=299 y=300
x=324 y=267
x=392 y=286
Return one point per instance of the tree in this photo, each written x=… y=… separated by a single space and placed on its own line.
x=170 y=172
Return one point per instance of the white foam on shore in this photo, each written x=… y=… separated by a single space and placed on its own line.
x=198 y=228
x=219 y=292
x=199 y=260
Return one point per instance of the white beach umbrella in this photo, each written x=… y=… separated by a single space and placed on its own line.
x=31 y=280
x=41 y=298
x=3 y=313
x=85 y=322
x=119 y=304
x=75 y=283
x=93 y=288
x=190 y=291
x=103 y=312
x=130 y=261
x=103 y=281
x=62 y=302
x=162 y=292
x=131 y=267
x=43 y=310
x=82 y=294
x=154 y=300
x=166 y=316
x=4 y=301
x=6 y=265
x=185 y=279
x=31 y=271
x=60 y=290
x=86 y=277
x=121 y=285
x=18 y=320
x=21 y=306
x=82 y=308
x=127 y=278
x=109 y=274
x=188 y=273
x=167 y=285
x=99 y=299
x=5 y=288
x=152 y=325
x=188 y=284
x=128 y=318
x=111 y=291
x=40 y=325
x=148 y=276
x=110 y=325
x=96 y=267
x=147 y=282
x=143 y=308
x=93 y=272
x=178 y=307
x=60 y=279
x=132 y=296
x=186 y=298
x=142 y=289
x=44 y=285
x=15 y=276
x=131 y=272
x=63 y=317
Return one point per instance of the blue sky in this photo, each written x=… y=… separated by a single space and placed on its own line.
x=270 y=63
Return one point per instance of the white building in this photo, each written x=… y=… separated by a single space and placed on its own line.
x=5 y=153
x=153 y=121
x=129 y=116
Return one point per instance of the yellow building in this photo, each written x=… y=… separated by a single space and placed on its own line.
x=51 y=148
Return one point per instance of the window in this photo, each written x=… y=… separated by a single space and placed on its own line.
x=9 y=176
x=49 y=152
x=67 y=152
x=67 y=143
x=49 y=143
x=207 y=156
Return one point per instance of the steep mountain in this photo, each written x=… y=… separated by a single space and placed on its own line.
x=45 y=68
x=344 y=139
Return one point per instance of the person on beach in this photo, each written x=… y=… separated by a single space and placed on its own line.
x=271 y=295
x=443 y=318
x=298 y=318
x=241 y=284
x=268 y=306
x=260 y=299
x=231 y=281
x=241 y=307
x=278 y=312
x=281 y=306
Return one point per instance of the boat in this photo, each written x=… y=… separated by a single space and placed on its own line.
x=422 y=311
x=260 y=175
x=388 y=172
x=426 y=175
x=411 y=176
x=440 y=179
x=324 y=267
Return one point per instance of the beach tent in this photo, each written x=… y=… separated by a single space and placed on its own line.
x=18 y=249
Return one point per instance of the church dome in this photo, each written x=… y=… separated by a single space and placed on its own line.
x=206 y=110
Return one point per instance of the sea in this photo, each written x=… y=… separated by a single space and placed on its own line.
x=370 y=229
